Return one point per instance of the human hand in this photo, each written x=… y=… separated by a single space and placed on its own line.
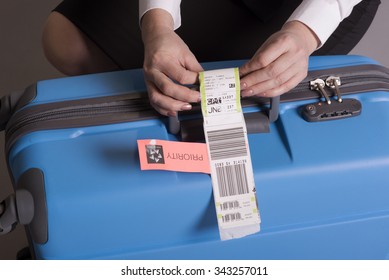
x=168 y=65
x=280 y=63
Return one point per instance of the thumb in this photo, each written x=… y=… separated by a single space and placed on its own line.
x=192 y=64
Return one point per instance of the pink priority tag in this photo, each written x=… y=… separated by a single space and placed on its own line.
x=174 y=156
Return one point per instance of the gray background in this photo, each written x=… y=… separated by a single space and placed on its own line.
x=22 y=63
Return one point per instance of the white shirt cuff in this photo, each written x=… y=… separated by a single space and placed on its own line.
x=323 y=16
x=171 y=6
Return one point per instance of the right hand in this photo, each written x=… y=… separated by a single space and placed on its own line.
x=168 y=65
x=280 y=63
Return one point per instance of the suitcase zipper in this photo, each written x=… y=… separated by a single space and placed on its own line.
x=353 y=79
x=319 y=85
x=132 y=107
x=81 y=113
x=334 y=83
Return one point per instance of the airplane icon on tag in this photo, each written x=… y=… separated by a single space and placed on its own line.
x=155 y=154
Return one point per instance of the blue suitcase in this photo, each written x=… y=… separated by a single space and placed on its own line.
x=322 y=174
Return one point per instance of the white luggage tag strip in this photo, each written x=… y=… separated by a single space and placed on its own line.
x=231 y=169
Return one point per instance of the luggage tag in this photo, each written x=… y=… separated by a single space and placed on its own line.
x=229 y=154
x=156 y=154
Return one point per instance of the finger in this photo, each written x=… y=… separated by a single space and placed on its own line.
x=286 y=87
x=265 y=86
x=277 y=83
x=272 y=71
x=265 y=55
x=165 y=105
x=192 y=64
x=174 y=90
x=180 y=74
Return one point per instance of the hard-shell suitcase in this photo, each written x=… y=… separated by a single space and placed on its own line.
x=321 y=170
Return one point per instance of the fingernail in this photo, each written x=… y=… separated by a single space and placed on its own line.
x=186 y=107
x=245 y=93
x=243 y=85
x=199 y=98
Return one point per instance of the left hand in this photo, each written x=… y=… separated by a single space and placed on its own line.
x=280 y=63
x=168 y=65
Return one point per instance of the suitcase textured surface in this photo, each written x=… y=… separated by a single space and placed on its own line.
x=322 y=187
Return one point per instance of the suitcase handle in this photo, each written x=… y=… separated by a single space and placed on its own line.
x=255 y=122
x=274 y=108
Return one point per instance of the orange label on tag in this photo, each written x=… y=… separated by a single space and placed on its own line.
x=174 y=156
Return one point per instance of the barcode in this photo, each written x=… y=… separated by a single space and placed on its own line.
x=227 y=143
x=231 y=217
x=232 y=180
x=228 y=205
